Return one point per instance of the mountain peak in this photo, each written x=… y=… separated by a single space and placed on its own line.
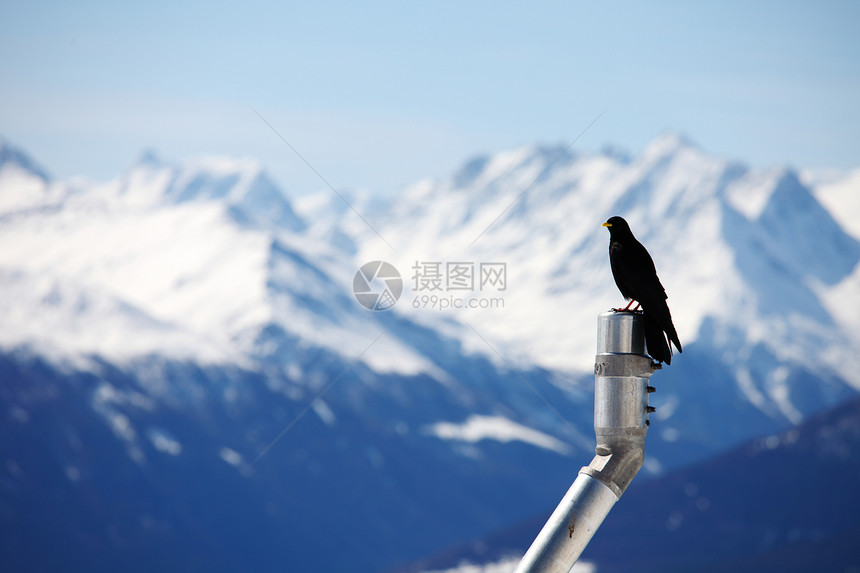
x=243 y=184
x=470 y=171
x=12 y=156
x=669 y=143
x=617 y=153
x=149 y=158
x=805 y=233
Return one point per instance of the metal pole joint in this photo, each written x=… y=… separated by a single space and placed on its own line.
x=622 y=372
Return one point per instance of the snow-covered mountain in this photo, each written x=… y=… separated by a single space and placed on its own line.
x=190 y=262
x=182 y=319
x=758 y=272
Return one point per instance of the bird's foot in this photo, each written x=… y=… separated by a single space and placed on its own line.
x=627 y=308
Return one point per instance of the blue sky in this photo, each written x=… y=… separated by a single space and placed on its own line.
x=379 y=94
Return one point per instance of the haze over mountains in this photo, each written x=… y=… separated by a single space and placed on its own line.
x=161 y=329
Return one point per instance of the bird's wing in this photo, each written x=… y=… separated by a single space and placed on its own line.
x=650 y=293
x=638 y=273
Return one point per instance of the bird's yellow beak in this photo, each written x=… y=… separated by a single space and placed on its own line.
x=606 y=224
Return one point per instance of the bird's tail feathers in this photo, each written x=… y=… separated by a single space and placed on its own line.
x=655 y=340
x=659 y=313
x=673 y=337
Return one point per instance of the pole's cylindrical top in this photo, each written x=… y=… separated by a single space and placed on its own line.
x=620 y=333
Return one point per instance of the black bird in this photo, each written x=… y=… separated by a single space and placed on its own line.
x=636 y=277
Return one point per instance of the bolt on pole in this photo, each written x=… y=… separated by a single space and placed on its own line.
x=622 y=371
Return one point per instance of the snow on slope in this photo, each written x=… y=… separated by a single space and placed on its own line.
x=498 y=428
x=75 y=320
x=189 y=262
x=18 y=171
x=507 y=565
x=839 y=192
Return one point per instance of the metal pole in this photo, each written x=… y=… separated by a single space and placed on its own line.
x=621 y=375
